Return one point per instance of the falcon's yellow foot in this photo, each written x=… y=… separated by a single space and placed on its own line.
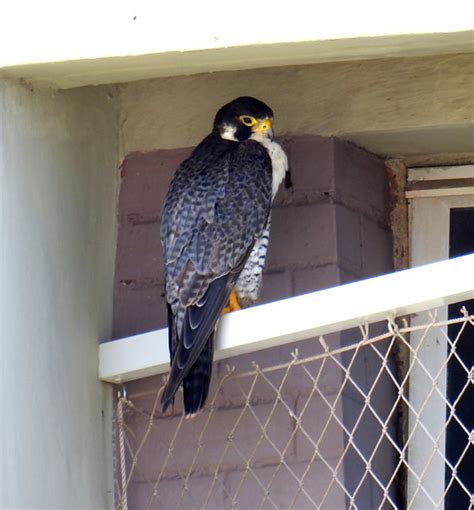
x=232 y=304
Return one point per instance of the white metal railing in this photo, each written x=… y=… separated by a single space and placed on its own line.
x=302 y=317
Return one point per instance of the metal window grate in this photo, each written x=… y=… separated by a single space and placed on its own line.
x=334 y=430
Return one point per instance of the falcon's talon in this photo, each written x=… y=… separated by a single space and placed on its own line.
x=232 y=304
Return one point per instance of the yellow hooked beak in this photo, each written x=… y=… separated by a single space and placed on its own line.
x=264 y=127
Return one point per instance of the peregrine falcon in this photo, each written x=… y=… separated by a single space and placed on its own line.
x=215 y=226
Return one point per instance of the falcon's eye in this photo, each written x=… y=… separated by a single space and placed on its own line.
x=248 y=121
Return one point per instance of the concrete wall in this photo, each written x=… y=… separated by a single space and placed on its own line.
x=417 y=108
x=330 y=228
x=58 y=191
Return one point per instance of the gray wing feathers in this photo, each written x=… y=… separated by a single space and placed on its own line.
x=211 y=217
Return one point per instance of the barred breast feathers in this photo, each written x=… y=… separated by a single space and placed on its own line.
x=250 y=280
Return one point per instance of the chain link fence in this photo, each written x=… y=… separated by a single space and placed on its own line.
x=368 y=421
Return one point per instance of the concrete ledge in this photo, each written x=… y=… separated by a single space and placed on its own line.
x=76 y=69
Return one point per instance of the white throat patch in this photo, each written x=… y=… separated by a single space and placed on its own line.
x=278 y=157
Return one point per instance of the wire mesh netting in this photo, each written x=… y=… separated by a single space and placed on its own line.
x=369 y=421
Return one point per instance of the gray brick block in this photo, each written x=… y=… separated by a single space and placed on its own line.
x=361 y=180
x=297 y=381
x=170 y=493
x=219 y=445
x=349 y=242
x=138 y=309
x=276 y=285
x=311 y=161
x=279 y=486
x=145 y=179
x=315 y=278
x=366 y=436
x=376 y=252
x=140 y=255
x=318 y=425
x=302 y=235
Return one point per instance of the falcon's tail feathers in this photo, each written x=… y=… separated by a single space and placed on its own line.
x=196 y=383
x=169 y=391
x=191 y=356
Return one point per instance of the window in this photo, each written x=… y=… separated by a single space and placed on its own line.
x=441 y=227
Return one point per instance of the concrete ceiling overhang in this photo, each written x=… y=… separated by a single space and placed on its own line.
x=420 y=112
x=78 y=72
x=421 y=146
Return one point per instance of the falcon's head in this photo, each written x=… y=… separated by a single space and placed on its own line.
x=243 y=118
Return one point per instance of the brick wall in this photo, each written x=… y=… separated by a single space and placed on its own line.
x=330 y=228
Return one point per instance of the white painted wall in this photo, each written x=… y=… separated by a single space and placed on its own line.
x=58 y=189
x=110 y=28
x=116 y=41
